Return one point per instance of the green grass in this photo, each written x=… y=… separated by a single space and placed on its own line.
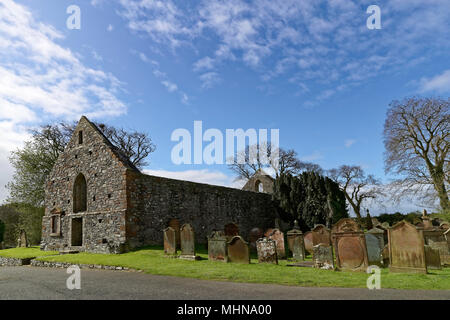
x=24 y=253
x=152 y=260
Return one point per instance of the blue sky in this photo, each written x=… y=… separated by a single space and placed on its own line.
x=311 y=69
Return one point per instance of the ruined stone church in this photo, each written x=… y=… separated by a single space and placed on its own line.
x=96 y=200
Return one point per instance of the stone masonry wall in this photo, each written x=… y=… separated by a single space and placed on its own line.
x=153 y=201
x=105 y=174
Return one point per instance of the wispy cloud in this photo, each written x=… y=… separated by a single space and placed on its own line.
x=439 y=83
x=349 y=142
x=323 y=43
x=42 y=80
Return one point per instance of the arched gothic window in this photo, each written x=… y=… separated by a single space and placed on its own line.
x=80 y=194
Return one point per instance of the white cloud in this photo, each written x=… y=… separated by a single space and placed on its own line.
x=200 y=176
x=171 y=87
x=40 y=80
x=316 y=155
x=209 y=79
x=439 y=83
x=110 y=28
x=349 y=142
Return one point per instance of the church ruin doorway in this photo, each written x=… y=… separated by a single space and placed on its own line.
x=77 y=232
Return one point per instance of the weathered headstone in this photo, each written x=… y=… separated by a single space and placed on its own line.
x=23 y=239
x=432 y=258
x=323 y=257
x=255 y=234
x=187 y=238
x=278 y=237
x=217 y=246
x=321 y=235
x=447 y=236
x=375 y=245
x=406 y=249
x=267 y=251
x=231 y=230
x=385 y=225
x=170 y=243
x=350 y=246
x=296 y=244
x=374 y=250
x=307 y=238
x=436 y=239
x=175 y=225
x=238 y=251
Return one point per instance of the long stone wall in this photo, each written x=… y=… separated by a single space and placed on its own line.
x=153 y=201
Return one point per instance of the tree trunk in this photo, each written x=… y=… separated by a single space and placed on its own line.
x=355 y=207
x=437 y=176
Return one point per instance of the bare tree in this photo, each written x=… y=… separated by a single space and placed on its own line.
x=281 y=162
x=356 y=185
x=417 y=143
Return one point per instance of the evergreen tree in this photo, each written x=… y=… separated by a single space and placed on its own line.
x=309 y=198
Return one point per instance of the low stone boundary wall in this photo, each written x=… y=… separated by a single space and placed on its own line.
x=65 y=265
x=14 y=262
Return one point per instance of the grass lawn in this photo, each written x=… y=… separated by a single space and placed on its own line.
x=152 y=260
x=24 y=253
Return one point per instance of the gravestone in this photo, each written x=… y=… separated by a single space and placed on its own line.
x=278 y=237
x=374 y=250
x=432 y=258
x=321 y=235
x=385 y=255
x=385 y=225
x=170 y=243
x=436 y=239
x=267 y=251
x=238 y=251
x=255 y=234
x=323 y=257
x=296 y=244
x=307 y=239
x=447 y=236
x=175 y=225
x=187 y=238
x=23 y=239
x=375 y=245
x=231 y=230
x=217 y=246
x=406 y=249
x=350 y=246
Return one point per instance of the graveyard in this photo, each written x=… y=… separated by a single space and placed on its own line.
x=329 y=258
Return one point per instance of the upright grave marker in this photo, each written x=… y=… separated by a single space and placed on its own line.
x=350 y=246
x=170 y=243
x=238 y=251
x=375 y=245
x=187 y=238
x=267 y=251
x=321 y=235
x=23 y=239
x=435 y=238
x=307 y=238
x=278 y=237
x=406 y=249
x=296 y=243
x=432 y=258
x=217 y=246
x=175 y=225
x=323 y=257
